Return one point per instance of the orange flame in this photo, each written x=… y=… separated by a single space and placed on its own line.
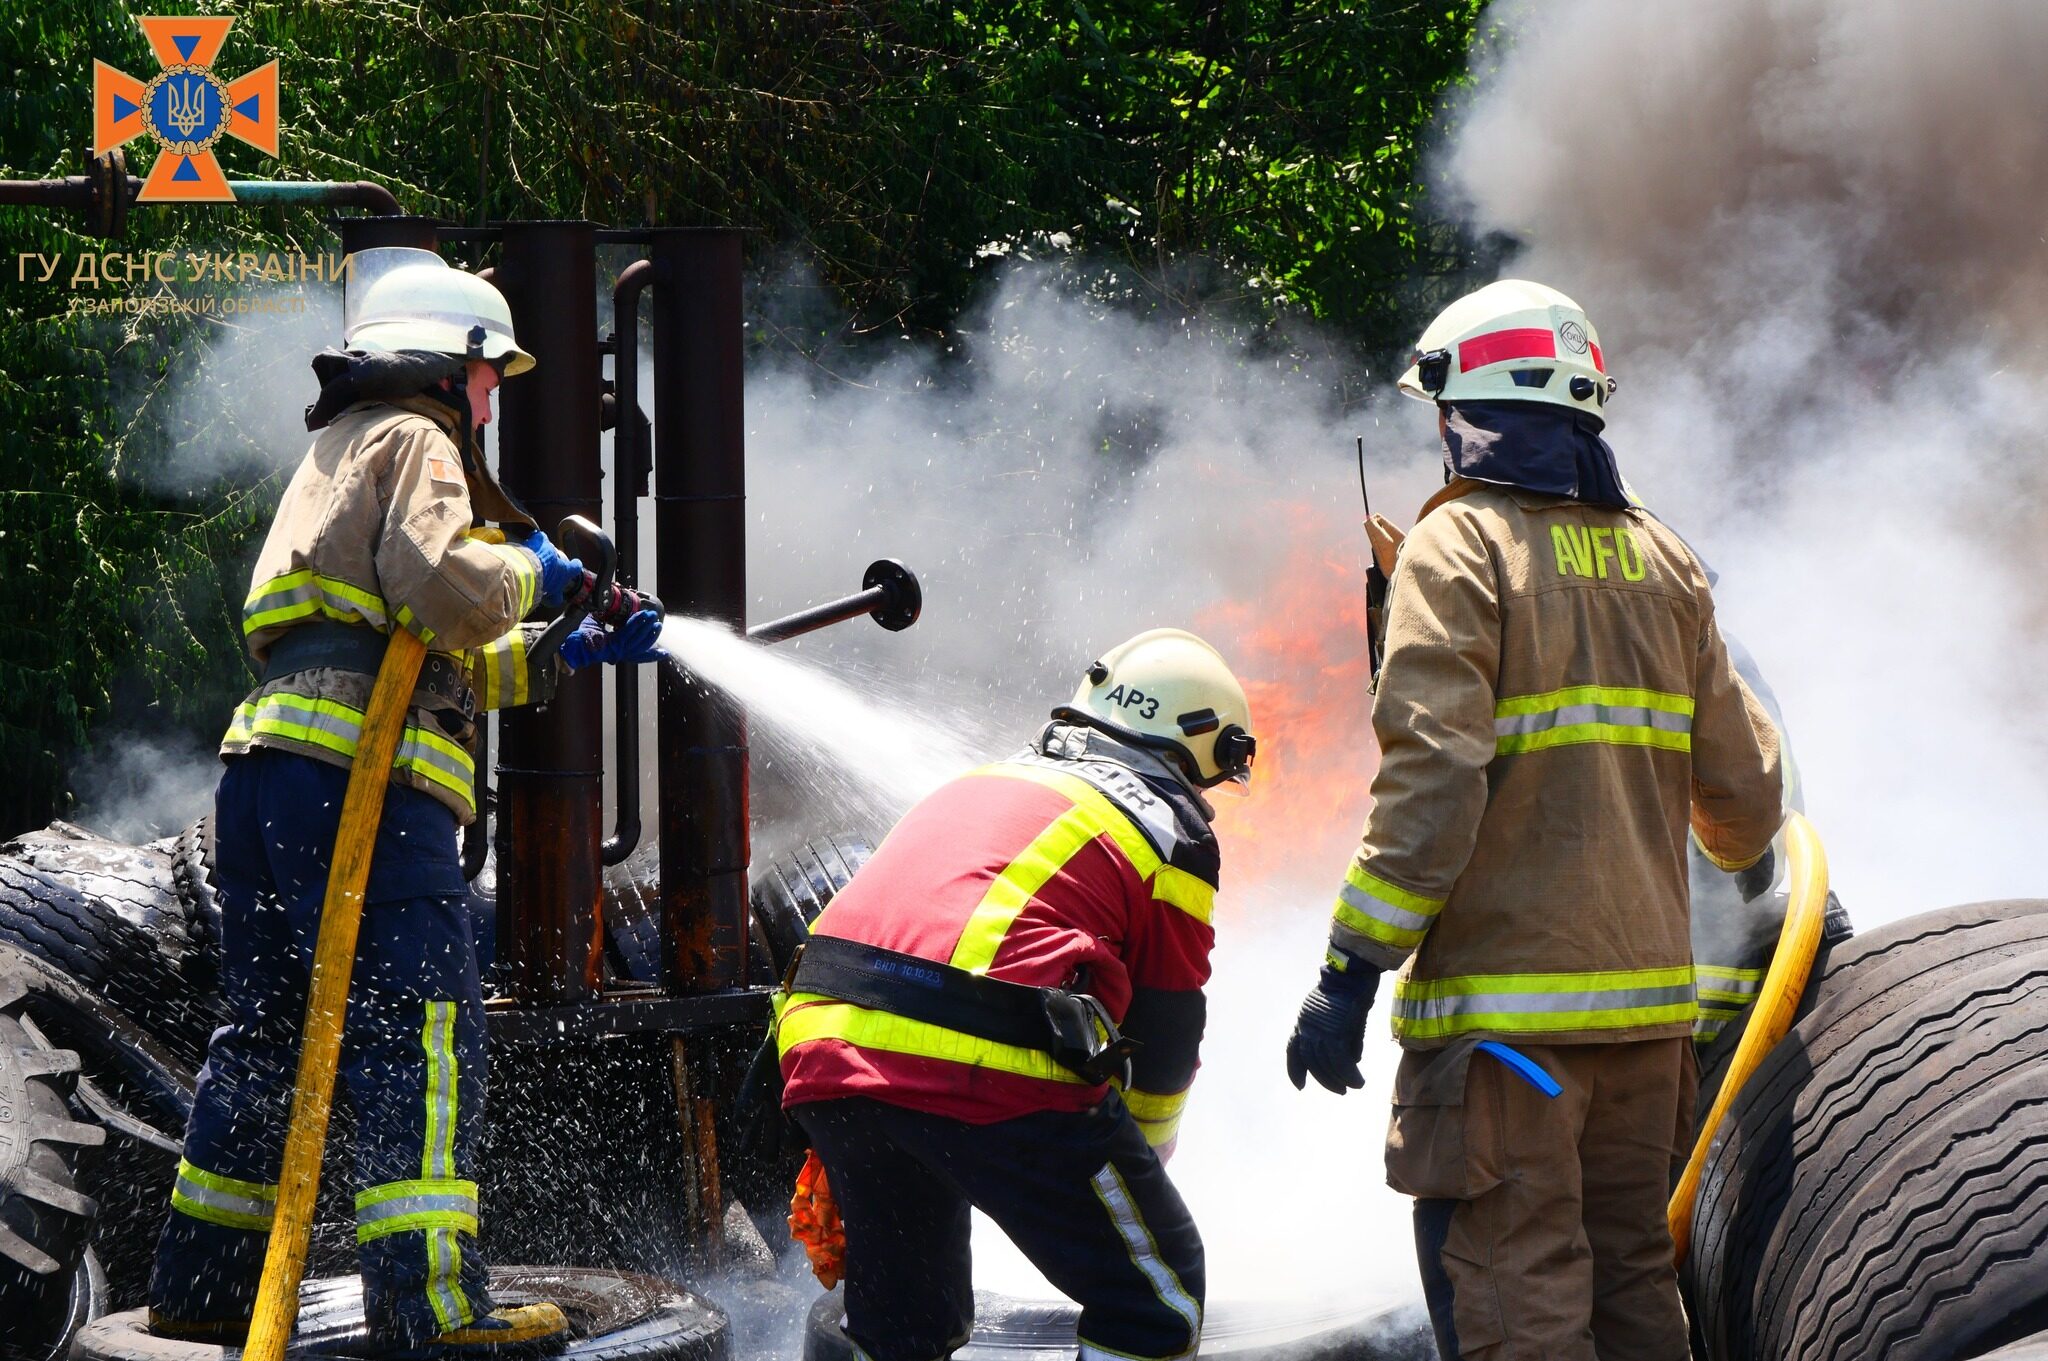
x=1300 y=649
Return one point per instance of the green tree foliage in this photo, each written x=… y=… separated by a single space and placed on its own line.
x=1256 y=154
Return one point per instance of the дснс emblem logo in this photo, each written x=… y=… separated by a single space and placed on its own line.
x=186 y=108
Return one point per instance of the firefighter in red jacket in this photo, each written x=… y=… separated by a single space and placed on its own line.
x=1003 y=1010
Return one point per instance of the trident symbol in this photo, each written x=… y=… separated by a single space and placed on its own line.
x=187 y=99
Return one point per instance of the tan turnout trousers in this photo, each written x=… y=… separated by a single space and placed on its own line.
x=1545 y=1218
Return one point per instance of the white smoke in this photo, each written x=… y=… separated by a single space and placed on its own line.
x=138 y=786
x=232 y=409
x=1810 y=233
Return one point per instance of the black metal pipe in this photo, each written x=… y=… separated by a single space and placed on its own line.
x=700 y=527
x=551 y=761
x=892 y=597
x=630 y=467
x=74 y=191
x=369 y=233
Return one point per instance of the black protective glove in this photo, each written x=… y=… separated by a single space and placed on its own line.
x=1754 y=882
x=766 y=1133
x=1329 y=1035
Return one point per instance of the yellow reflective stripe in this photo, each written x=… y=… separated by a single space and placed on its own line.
x=1384 y=911
x=304 y=593
x=1048 y=853
x=1616 y=715
x=214 y=1181
x=1178 y=888
x=437 y=1163
x=1660 y=700
x=1114 y=821
x=501 y=671
x=437 y=1038
x=339 y=728
x=525 y=569
x=1718 y=983
x=1158 y=1115
x=410 y=622
x=809 y=1016
x=1438 y=1008
x=1170 y=884
x=1612 y=734
x=409 y=1206
x=227 y=1201
x=1725 y=866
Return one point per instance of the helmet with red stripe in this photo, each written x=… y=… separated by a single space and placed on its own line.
x=1512 y=341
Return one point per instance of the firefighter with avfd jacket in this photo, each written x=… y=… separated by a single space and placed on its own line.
x=1555 y=705
x=381 y=528
x=1003 y=1010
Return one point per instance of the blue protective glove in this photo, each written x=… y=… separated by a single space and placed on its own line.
x=557 y=573
x=1329 y=1035
x=637 y=640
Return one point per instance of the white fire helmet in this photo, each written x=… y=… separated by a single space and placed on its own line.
x=1169 y=690
x=1511 y=341
x=402 y=299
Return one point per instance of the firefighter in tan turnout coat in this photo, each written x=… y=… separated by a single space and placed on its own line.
x=382 y=528
x=1555 y=704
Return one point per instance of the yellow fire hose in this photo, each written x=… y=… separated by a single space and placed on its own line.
x=1774 y=1010
x=334 y=957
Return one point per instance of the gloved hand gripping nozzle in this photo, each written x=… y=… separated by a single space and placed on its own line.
x=597 y=596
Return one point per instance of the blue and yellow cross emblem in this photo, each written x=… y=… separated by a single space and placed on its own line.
x=186 y=108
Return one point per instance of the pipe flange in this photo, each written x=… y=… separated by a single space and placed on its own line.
x=902 y=599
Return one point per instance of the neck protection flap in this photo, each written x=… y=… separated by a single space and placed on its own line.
x=1533 y=446
x=351 y=376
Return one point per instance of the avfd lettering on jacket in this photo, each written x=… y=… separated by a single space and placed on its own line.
x=1555 y=703
x=1590 y=550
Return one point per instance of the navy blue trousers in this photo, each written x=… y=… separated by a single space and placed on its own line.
x=413 y=1056
x=1082 y=1194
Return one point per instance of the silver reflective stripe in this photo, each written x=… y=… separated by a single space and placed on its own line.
x=228 y=1201
x=1721 y=989
x=401 y=1206
x=304 y=593
x=1571 y=715
x=1130 y=1226
x=415 y=751
x=1370 y=905
x=1522 y=1003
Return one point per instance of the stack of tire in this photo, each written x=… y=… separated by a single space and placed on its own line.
x=1880 y=1185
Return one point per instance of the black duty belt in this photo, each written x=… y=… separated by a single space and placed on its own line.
x=1073 y=1027
x=357 y=647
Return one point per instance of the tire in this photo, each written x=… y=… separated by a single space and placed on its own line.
x=613 y=1316
x=791 y=890
x=44 y=1219
x=192 y=877
x=105 y=953
x=1010 y=1329
x=1886 y=1102
x=787 y=893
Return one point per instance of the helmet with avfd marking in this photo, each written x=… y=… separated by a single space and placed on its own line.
x=1512 y=341
x=1169 y=690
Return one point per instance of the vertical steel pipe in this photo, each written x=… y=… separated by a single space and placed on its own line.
x=551 y=764
x=700 y=569
x=631 y=464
